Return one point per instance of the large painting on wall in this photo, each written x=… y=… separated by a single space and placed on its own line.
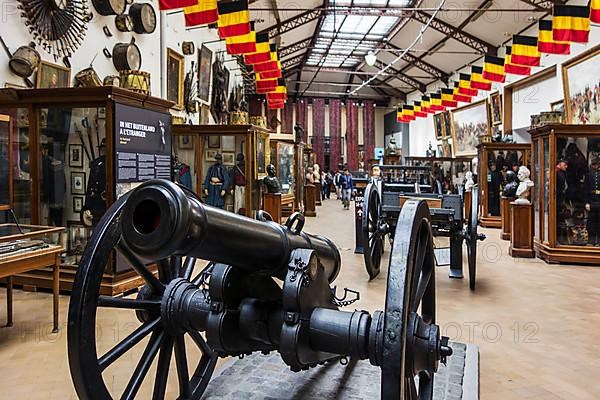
x=581 y=83
x=204 y=71
x=468 y=124
x=175 y=77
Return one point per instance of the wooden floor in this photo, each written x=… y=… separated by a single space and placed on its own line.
x=537 y=325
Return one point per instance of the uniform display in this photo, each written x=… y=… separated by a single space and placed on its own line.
x=238 y=179
x=259 y=293
x=216 y=182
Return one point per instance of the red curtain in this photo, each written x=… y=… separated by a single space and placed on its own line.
x=318 y=128
x=302 y=117
x=369 y=132
x=335 y=134
x=287 y=118
x=352 y=135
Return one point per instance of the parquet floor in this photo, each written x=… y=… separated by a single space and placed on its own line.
x=537 y=325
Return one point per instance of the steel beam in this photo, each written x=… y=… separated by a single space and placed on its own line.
x=293 y=23
x=294 y=47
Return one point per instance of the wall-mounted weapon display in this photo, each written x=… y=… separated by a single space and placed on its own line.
x=127 y=56
x=143 y=17
x=109 y=7
x=58 y=26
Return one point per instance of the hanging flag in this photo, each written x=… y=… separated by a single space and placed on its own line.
x=595 y=11
x=448 y=97
x=419 y=110
x=280 y=92
x=400 y=116
x=273 y=73
x=203 y=13
x=242 y=44
x=458 y=96
x=525 y=51
x=477 y=79
x=426 y=104
x=436 y=102
x=263 y=50
x=493 y=68
x=264 y=86
x=464 y=85
x=514 y=69
x=234 y=18
x=547 y=44
x=571 y=24
x=408 y=112
x=172 y=4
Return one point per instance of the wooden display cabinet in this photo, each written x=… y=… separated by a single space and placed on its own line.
x=561 y=224
x=66 y=126
x=503 y=155
x=451 y=168
x=283 y=157
x=203 y=141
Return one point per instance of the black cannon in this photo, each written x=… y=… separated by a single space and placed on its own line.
x=239 y=305
x=383 y=205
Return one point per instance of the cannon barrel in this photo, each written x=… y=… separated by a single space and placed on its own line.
x=161 y=219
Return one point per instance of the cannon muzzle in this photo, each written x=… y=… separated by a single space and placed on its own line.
x=161 y=219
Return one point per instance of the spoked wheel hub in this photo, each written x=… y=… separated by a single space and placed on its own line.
x=425 y=348
x=181 y=305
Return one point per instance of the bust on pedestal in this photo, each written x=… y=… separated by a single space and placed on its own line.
x=521 y=235
x=524 y=187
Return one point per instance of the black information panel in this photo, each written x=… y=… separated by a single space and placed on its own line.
x=359 y=202
x=143 y=144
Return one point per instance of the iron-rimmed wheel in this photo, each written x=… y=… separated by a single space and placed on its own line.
x=412 y=346
x=85 y=364
x=373 y=231
x=472 y=237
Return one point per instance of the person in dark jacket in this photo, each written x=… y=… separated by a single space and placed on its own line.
x=347 y=186
x=494 y=183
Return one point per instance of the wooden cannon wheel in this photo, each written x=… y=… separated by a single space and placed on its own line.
x=85 y=364
x=373 y=231
x=471 y=237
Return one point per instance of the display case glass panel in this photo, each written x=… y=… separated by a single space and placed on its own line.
x=184 y=162
x=5 y=164
x=546 y=187
x=285 y=167
x=499 y=163
x=536 y=188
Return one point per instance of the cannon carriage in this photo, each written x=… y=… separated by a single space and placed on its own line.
x=267 y=287
x=383 y=204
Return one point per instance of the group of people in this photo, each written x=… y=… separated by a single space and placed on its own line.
x=585 y=106
x=341 y=181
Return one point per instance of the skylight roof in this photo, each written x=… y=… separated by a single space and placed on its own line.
x=344 y=39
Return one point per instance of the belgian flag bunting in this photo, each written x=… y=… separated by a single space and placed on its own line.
x=436 y=102
x=525 y=51
x=571 y=24
x=172 y=4
x=477 y=79
x=271 y=65
x=426 y=104
x=264 y=86
x=464 y=85
x=203 y=13
x=271 y=74
x=493 y=68
x=263 y=50
x=514 y=69
x=419 y=110
x=243 y=44
x=408 y=112
x=400 y=116
x=546 y=42
x=234 y=18
x=280 y=92
x=448 y=97
x=595 y=11
x=458 y=96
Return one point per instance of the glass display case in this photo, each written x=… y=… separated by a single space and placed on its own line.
x=282 y=157
x=494 y=161
x=64 y=164
x=449 y=172
x=226 y=163
x=566 y=174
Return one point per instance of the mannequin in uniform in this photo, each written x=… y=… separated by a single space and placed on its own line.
x=270 y=181
x=592 y=201
x=238 y=177
x=95 y=196
x=215 y=183
x=494 y=182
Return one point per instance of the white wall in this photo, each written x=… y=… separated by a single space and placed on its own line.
x=526 y=101
x=15 y=34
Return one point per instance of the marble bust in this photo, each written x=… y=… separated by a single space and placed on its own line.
x=469 y=182
x=524 y=187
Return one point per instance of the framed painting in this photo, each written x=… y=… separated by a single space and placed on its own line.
x=496 y=108
x=229 y=159
x=175 y=75
x=52 y=76
x=77 y=182
x=204 y=73
x=77 y=204
x=186 y=142
x=214 y=142
x=75 y=155
x=438 y=124
x=468 y=123
x=262 y=154
x=446 y=123
x=580 y=84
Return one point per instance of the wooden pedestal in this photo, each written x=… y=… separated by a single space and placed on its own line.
x=521 y=231
x=272 y=205
x=505 y=216
x=468 y=201
x=318 y=194
x=309 y=200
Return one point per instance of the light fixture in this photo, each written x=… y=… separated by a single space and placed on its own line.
x=370 y=59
